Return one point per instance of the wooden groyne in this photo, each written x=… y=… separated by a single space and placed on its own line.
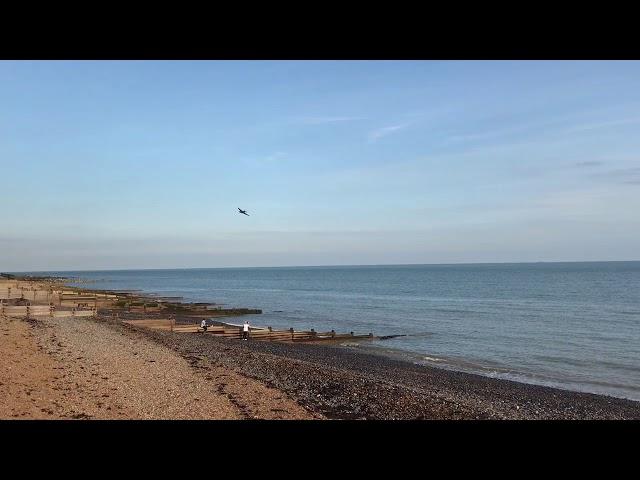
x=31 y=291
x=19 y=298
x=30 y=311
x=27 y=297
x=228 y=330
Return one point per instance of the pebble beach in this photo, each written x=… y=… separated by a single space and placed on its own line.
x=100 y=368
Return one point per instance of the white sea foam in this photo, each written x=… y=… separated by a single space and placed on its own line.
x=432 y=359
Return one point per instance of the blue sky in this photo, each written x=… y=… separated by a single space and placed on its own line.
x=142 y=164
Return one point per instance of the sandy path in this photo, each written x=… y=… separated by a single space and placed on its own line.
x=80 y=368
x=27 y=375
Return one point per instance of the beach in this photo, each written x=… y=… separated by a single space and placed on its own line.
x=99 y=368
x=76 y=368
x=573 y=326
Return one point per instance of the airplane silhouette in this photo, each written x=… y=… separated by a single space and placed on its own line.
x=243 y=211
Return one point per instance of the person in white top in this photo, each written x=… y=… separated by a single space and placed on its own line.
x=203 y=324
x=245 y=330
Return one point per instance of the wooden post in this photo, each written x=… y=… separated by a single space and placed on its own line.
x=333 y=333
x=291 y=330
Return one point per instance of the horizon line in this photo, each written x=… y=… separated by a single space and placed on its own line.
x=324 y=266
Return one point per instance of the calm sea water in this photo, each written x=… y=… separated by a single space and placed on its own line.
x=570 y=325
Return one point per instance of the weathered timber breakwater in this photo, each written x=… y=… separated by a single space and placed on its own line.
x=25 y=291
x=42 y=296
x=174 y=375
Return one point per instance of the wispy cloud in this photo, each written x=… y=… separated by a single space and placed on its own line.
x=623 y=175
x=275 y=156
x=539 y=127
x=328 y=119
x=266 y=160
x=612 y=123
x=559 y=125
x=487 y=135
x=377 y=134
x=588 y=163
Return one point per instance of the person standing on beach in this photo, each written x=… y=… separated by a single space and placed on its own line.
x=245 y=330
x=203 y=324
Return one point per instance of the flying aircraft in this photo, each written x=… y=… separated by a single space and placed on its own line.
x=243 y=212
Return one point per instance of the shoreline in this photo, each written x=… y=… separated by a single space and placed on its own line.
x=301 y=381
x=444 y=363
x=346 y=384
x=408 y=355
x=313 y=380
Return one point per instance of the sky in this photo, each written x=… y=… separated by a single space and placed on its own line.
x=143 y=164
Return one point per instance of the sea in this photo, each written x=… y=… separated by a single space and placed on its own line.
x=574 y=326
